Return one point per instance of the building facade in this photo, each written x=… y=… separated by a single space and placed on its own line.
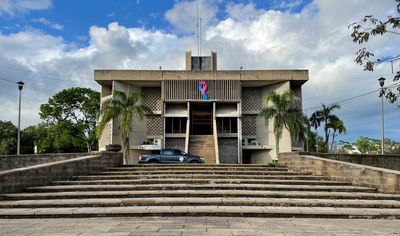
x=202 y=110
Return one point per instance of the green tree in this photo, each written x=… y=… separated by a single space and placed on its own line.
x=337 y=126
x=368 y=145
x=28 y=139
x=285 y=114
x=345 y=147
x=123 y=107
x=76 y=109
x=363 y=31
x=325 y=115
x=8 y=138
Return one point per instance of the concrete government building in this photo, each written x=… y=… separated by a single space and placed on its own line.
x=204 y=111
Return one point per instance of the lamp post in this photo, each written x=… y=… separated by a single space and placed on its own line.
x=20 y=87
x=382 y=83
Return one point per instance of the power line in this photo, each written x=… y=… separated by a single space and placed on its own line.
x=343 y=101
x=43 y=74
x=353 y=79
x=33 y=87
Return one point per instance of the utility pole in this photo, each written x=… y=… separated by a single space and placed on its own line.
x=382 y=83
x=20 y=87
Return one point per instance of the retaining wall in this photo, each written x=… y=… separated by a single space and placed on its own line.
x=15 y=161
x=384 y=161
x=385 y=180
x=16 y=180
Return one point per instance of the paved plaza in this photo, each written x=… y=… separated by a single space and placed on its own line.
x=194 y=226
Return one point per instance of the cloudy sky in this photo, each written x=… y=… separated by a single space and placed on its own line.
x=55 y=44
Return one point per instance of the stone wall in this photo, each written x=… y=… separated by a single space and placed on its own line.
x=14 y=161
x=384 y=180
x=384 y=161
x=16 y=180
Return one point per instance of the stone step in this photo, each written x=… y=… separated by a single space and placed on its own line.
x=193 y=201
x=202 y=176
x=227 y=211
x=198 y=167
x=214 y=172
x=254 y=187
x=200 y=194
x=200 y=181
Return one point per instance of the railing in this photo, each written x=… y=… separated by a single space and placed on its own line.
x=182 y=90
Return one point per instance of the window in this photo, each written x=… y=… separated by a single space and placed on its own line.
x=180 y=153
x=175 y=125
x=168 y=152
x=227 y=125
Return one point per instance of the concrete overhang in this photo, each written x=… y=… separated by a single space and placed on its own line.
x=248 y=77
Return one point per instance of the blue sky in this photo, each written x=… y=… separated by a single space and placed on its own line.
x=72 y=19
x=54 y=44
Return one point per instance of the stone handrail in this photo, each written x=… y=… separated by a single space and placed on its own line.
x=385 y=180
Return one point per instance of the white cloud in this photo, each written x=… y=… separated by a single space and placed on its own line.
x=48 y=23
x=183 y=15
x=316 y=38
x=10 y=7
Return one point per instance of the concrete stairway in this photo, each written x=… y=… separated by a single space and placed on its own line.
x=203 y=145
x=200 y=190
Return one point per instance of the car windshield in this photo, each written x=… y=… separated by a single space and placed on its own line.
x=179 y=152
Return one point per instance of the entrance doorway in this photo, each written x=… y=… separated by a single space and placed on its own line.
x=201 y=118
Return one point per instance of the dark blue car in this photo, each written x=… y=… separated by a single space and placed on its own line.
x=170 y=156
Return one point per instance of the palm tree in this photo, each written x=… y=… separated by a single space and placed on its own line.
x=325 y=115
x=285 y=115
x=124 y=107
x=315 y=122
x=336 y=125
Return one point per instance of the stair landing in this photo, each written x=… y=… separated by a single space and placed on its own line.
x=204 y=146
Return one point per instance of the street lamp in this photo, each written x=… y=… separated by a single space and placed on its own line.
x=382 y=83
x=20 y=87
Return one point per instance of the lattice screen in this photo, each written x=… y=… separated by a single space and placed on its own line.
x=152 y=98
x=105 y=138
x=297 y=103
x=249 y=125
x=176 y=143
x=251 y=99
x=227 y=142
x=154 y=125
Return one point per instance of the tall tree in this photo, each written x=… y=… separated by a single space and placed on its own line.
x=336 y=125
x=123 y=107
x=315 y=122
x=368 y=145
x=345 y=146
x=285 y=114
x=78 y=109
x=363 y=31
x=8 y=138
x=325 y=115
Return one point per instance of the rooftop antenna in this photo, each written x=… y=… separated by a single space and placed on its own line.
x=200 y=38
x=198 y=29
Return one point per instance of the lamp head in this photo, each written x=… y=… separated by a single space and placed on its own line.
x=20 y=85
x=381 y=81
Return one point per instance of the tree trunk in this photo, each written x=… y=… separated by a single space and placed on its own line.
x=125 y=144
x=277 y=147
x=88 y=146
x=316 y=140
x=326 y=142
x=333 y=139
